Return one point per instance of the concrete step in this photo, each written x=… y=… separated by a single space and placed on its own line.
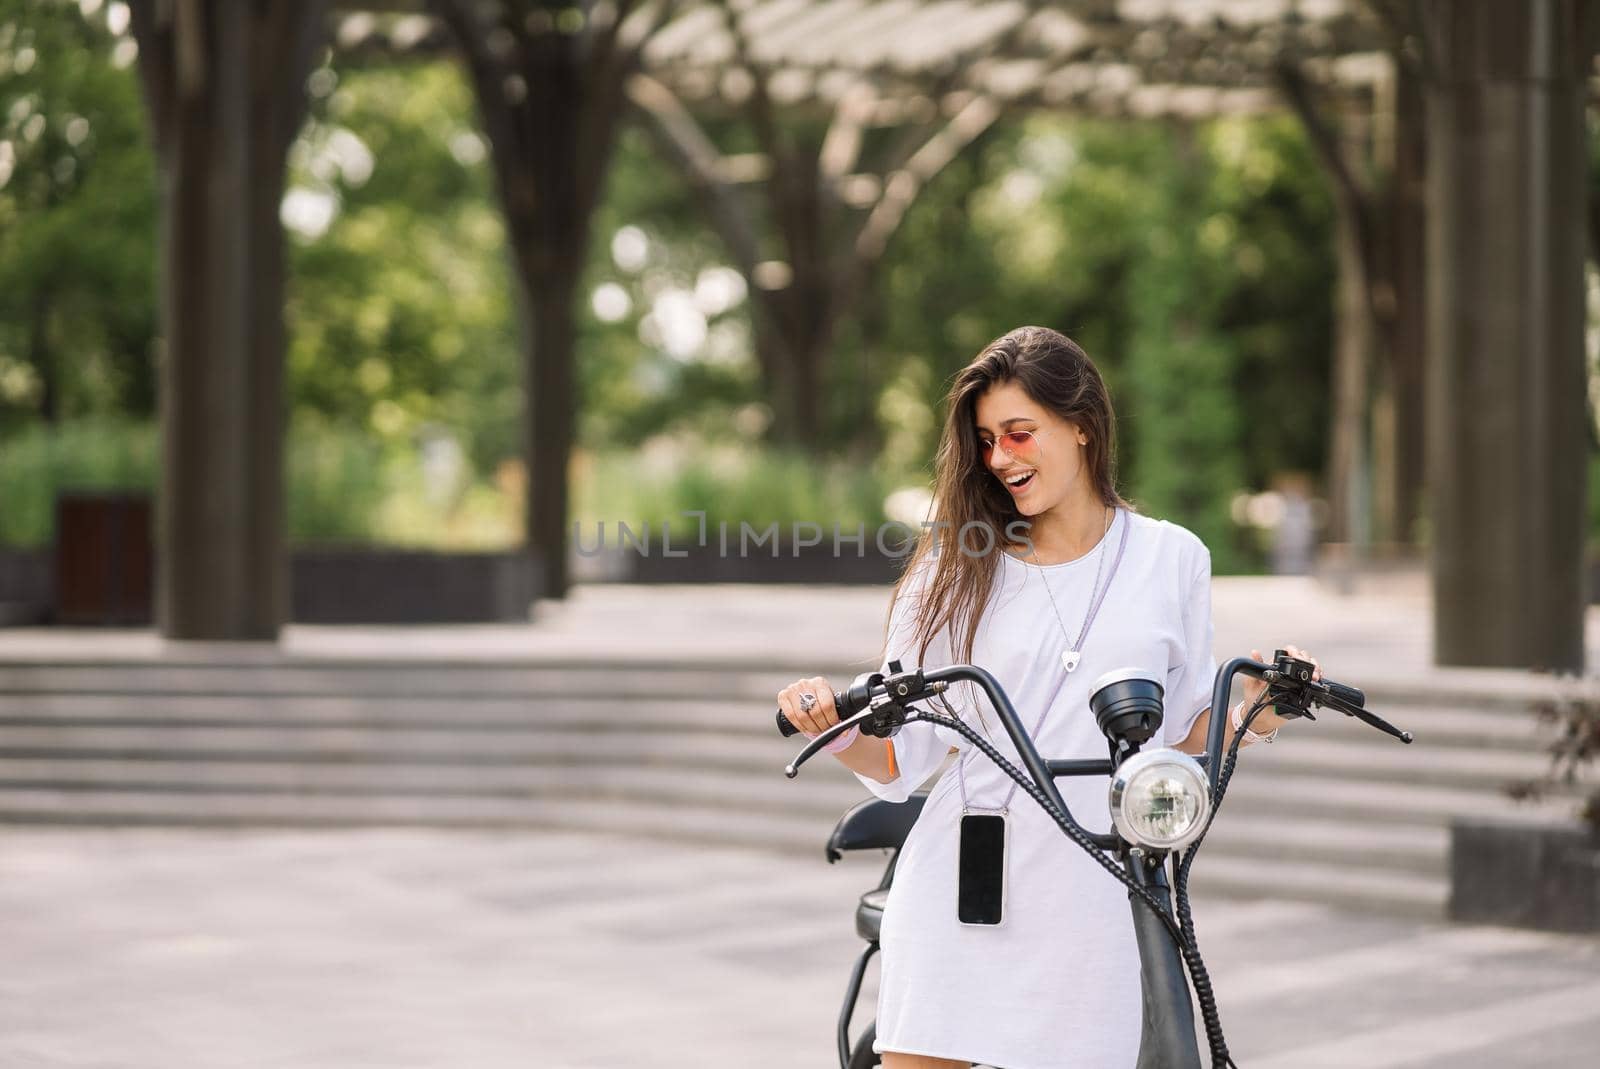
x=821 y=796
x=1435 y=726
x=751 y=783
x=1436 y=729
x=1421 y=850
x=679 y=733
x=747 y=717
x=1357 y=759
x=806 y=803
x=451 y=680
x=686 y=735
x=1371 y=802
x=1334 y=812
x=282 y=674
x=252 y=810
x=403 y=744
x=1391 y=893
x=1216 y=872
x=705 y=763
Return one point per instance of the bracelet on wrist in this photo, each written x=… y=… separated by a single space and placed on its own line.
x=843 y=742
x=1250 y=737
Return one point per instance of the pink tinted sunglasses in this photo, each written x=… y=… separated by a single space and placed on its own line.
x=1019 y=445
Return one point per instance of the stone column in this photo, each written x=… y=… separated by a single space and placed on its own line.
x=1506 y=436
x=225 y=86
x=208 y=498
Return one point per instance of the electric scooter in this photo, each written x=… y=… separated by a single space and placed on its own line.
x=872 y=824
x=1162 y=804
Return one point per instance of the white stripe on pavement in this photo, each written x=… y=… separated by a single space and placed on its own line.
x=1217 y=921
x=1461 y=1032
x=1388 y=958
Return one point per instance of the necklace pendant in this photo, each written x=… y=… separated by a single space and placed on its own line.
x=1069 y=659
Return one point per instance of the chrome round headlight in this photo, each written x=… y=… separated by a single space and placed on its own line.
x=1160 y=799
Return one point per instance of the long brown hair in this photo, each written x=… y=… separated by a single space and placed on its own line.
x=1056 y=374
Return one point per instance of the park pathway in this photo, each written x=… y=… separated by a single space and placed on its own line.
x=418 y=949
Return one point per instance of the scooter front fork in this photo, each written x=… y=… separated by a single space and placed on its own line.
x=1167 y=1039
x=850 y=994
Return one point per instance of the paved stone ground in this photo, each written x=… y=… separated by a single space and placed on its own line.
x=401 y=949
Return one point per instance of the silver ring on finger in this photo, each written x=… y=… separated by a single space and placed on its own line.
x=808 y=701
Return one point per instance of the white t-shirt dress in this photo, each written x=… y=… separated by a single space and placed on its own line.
x=1057 y=984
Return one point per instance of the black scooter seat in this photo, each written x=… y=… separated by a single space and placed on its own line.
x=875 y=825
x=869 y=914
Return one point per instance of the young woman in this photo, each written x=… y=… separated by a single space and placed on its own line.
x=1038 y=571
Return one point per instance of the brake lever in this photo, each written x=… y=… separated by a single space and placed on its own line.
x=1293 y=701
x=1294 y=687
x=812 y=748
x=1368 y=718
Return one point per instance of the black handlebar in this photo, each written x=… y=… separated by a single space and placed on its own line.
x=1346 y=695
x=840 y=701
x=1293 y=691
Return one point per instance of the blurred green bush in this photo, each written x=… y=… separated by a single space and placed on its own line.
x=344 y=486
x=662 y=482
x=38 y=462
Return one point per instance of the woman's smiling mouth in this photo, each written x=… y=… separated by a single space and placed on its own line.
x=1019 y=482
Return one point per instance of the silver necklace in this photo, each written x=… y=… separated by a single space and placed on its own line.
x=1069 y=658
x=1074 y=651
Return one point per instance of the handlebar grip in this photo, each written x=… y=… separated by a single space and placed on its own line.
x=786 y=729
x=1348 y=695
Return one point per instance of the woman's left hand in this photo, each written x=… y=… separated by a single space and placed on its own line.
x=1268 y=719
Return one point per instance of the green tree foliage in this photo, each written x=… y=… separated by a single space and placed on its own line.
x=399 y=314
x=939 y=297
x=39 y=460
x=1184 y=411
x=665 y=332
x=77 y=217
x=1194 y=266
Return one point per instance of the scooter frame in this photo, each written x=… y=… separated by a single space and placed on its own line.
x=1167 y=1039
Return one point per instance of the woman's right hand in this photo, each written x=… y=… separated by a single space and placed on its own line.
x=822 y=715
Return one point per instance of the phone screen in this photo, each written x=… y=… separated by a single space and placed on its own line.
x=980 y=888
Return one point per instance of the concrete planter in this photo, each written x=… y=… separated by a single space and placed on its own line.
x=656 y=563
x=1525 y=875
x=364 y=585
x=328 y=585
x=27 y=586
